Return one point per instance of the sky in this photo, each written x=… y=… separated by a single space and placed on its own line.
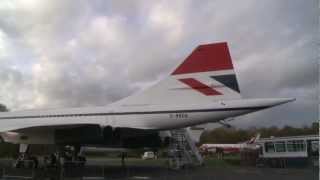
x=78 y=53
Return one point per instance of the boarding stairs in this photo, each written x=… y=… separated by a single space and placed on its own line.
x=182 y=150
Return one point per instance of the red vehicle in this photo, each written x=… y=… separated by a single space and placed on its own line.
x=229 y=148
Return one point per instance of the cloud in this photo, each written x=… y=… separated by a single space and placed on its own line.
x=86 y=53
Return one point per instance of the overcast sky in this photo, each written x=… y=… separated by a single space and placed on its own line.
x=84 y=53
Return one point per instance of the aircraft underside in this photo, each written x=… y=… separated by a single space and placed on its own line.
x=107 y=136
x=89 y=135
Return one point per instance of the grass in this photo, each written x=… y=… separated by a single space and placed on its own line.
x=226 y=162
x=229 y=161
x=212 y=161
x=130 y=161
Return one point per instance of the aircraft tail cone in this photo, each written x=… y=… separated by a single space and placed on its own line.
x=279 y=101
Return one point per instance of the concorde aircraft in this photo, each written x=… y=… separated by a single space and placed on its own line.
x=203 y=89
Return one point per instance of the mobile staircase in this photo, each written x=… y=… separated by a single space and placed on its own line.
x=182 y=150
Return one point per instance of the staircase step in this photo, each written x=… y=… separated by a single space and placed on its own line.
x=183 y=149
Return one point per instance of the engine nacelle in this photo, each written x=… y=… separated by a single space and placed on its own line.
x=29 y=137
x=89 y=134
x=137 y=138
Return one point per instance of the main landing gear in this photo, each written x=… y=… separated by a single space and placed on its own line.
x=71 y=157
x=51 y=161
x=67 y=156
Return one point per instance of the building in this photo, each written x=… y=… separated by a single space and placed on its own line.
x=291 y=151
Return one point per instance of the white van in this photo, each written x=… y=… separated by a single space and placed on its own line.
x=148 y=155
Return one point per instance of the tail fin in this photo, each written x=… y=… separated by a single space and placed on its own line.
x=206 y=75
x=254 y=139
x=213 y=60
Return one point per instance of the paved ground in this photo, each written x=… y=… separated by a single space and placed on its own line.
x=158 y=171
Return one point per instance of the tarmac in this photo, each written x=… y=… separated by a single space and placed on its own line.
x=152 y=170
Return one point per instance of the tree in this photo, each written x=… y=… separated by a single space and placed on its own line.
x=3 y=108
x=315 y=128
x=7 y=149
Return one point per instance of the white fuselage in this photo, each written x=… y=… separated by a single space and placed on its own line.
x=152 y=117
x=141 y=117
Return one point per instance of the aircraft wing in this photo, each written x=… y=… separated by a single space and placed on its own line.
x=21 y=124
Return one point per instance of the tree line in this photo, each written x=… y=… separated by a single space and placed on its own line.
x=234 y=135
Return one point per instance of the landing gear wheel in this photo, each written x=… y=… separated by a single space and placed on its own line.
x=51 y=161
x=72 y=158
x=26 y=162
x=82 y=161
x=33 y=162
x=18 y=164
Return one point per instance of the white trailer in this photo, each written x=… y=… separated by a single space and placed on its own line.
x=289 y=151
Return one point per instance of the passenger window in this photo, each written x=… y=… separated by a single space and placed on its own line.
x=295 y=146
x=269 y=147
x=280 y=146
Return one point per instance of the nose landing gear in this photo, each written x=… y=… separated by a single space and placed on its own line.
x=25 y=160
